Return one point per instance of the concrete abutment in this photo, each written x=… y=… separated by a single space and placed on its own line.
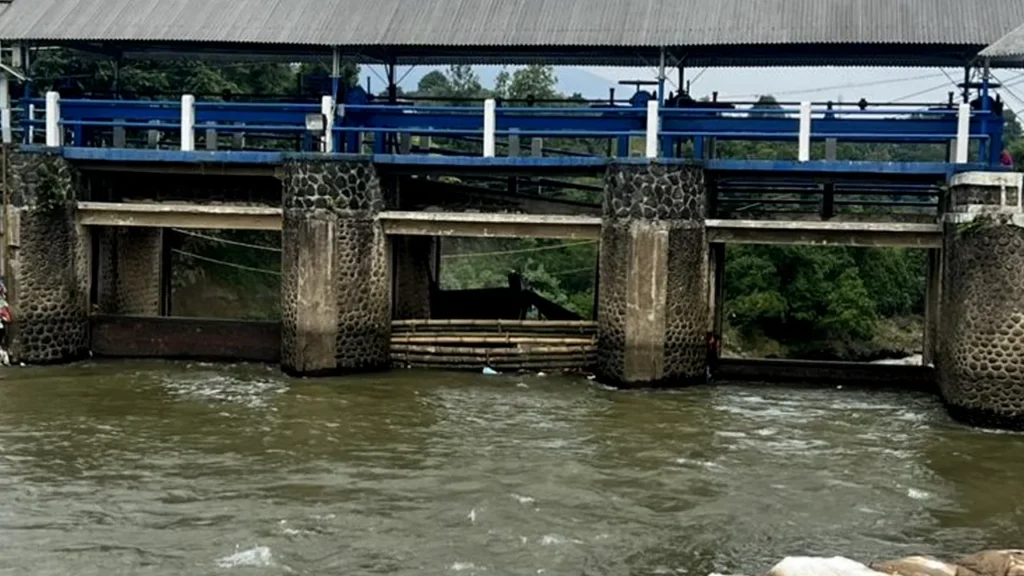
x=653 y=303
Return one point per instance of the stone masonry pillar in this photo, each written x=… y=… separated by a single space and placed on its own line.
x=47 y=264
x=335 y=286
x=129 y=278
x=652 y=304
x=981 y=344
x=413 y=276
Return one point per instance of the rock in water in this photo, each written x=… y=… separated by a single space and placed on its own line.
x=994 y=563
x=811 y=566
x=916 y=566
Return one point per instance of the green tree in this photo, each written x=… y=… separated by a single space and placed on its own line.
x=534 y=81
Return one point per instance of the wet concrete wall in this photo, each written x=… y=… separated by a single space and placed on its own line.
x=129 y=270
x=413 y=258
x=185 y=338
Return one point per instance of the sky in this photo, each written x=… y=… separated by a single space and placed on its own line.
x=786 y=84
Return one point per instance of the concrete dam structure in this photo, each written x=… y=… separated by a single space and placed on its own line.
x=69 y=258
x=364 y=187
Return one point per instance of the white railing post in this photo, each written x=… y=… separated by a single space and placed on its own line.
x=653 y=127
x=188 y=123
x=963 y=133
x=804 y=146
x=327 y=108
x=490 y=126
x=31 y=127
x=53 y=129
x=5 y=109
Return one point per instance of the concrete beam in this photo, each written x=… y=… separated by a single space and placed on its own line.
x=179 y=216
x=490 y=225
x=866 y=234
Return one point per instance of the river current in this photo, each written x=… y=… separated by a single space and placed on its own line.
x=183 y=468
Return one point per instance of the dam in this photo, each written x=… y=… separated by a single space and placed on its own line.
x=360 y=191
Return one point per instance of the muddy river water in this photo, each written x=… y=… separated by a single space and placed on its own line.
x=179 y=468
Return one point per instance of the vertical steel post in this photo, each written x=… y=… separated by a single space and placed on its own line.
x=661 y=77
x=335 y=71
x=27 y=96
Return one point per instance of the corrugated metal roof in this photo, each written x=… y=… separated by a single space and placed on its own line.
x=515 y=22
x=1009 y=47
x=559 y=25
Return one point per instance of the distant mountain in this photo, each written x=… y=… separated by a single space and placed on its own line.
x=570 y=80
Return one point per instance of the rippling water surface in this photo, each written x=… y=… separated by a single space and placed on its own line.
x=159 y=468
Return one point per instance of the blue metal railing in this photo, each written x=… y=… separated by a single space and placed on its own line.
x=93 y=122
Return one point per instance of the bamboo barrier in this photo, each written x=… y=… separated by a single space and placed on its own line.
x=493 y=352
x=486 y=339
x=556 y=364
x=551 y=345
x=570 y=324
x=441 y=358
x=496 y=326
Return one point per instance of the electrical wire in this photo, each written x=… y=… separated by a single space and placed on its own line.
x=519 y=251
x=918 y=93
x=223 y=263
x=226 y=241
x=573 y=271
x=843 y=86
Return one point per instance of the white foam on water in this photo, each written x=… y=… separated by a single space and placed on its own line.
x=917 y=494
x=256 y=557
x=551 y=539
x=461 y=566
x=209 y=387
x=706 y=464
x=523 y=499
